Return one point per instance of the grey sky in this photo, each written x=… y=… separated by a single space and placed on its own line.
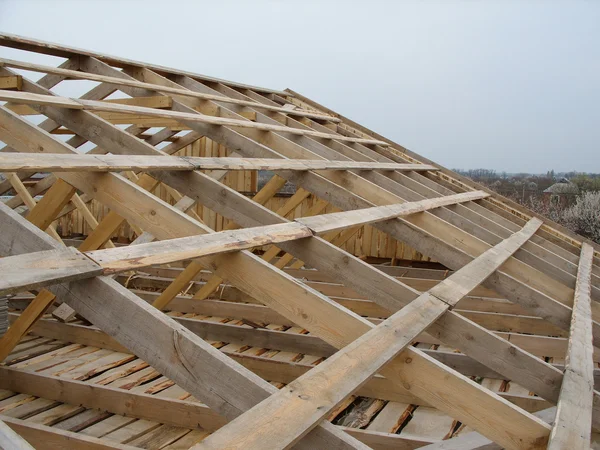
x=509 y=85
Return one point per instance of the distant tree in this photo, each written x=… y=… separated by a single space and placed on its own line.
x=586 y=182
x=584 y=216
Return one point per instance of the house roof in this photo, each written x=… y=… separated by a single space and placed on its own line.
x=563 y=188
x=186 y=315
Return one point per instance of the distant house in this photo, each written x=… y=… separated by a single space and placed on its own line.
x=563 y=193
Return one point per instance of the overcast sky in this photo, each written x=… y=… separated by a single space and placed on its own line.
x=508 y=85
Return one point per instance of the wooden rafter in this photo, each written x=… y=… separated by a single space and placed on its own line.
x=572 y=426
x=285 y=417
x=352 y=309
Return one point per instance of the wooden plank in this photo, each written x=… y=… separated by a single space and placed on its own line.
x=238 y=279
x=191 y=359
x=112 y=399
x=18 y=328
x=138 y=256
x=33 y=270
x=12 y=82
x=51 y=204
x=327 y=223
x=141 y=85
x=71 y=263
x=572 y=427
x=311 y=397
x=305 y=401
x=94 y=105
x=149 y=102
x=17 y=162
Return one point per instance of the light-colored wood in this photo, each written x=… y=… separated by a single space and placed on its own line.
x=29 y=201
x=149 y=102
x=137 y=84
x=572 y=427
x=185 y=348
x=8 y=438
x=285 y=417
x=14 y=162
x=138 y=256
x=25 y=321
x=12 y=82
x=69 y=264
x=45 y=211
x=94 y=105
x=33 y=270
x=337 y=221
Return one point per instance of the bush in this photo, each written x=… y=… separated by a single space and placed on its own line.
x=584 y=216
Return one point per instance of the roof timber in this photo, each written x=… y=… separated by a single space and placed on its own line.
x=476 y=396
x=188 y=349
x=48 y=48
x=285 y=417
x=73 y=74
x=572 y=426
x=241 y=274
x=40 y=101
x=14 y=162
x=24 y=272
x=541 y=276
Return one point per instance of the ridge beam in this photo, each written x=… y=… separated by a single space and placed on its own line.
x=285 y=417
x=572 y=427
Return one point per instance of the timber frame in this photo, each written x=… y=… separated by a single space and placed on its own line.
x=182 y=338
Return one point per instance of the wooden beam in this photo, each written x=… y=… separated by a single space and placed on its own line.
x=26 y=272
x=62 y=51
x=180 y=413
x=51 y=204
x=29 y=201
x=157 y=101
x=15 y=162
x=34 y=270
x=327 y=223
x=93 y=105
x=305 y=401
x=572 y=427
x=176 y=352
x=12 y=82
x=134 y=257
x=73 y=74
x=106 y=139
